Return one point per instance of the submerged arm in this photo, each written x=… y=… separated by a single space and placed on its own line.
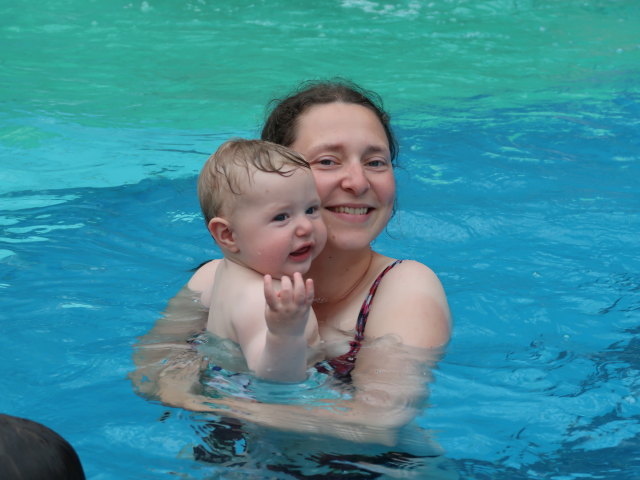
x=410 y=322
x=390 y=383
x=165 y=352
x=390 y=377
x=167 y=367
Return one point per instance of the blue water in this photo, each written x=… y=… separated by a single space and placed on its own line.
x=529 y=216
x=520 y=171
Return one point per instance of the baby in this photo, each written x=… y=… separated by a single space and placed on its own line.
x=261 y=207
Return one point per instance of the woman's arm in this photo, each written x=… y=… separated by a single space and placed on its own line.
x=164 y=352
x=390 y=377
x=408 y=327
x=166 y=346
x=390 y=383
x=168 y=370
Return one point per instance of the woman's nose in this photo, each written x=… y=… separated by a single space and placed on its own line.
x=355 y=179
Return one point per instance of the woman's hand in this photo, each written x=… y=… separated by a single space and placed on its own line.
x=168 y=367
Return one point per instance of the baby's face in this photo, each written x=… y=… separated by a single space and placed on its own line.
x=277 y=224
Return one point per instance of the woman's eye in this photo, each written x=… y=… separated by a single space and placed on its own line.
x=325 y=161
x=281 y=217
x=375 y=163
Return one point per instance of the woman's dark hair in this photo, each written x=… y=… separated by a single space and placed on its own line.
x=280 y=126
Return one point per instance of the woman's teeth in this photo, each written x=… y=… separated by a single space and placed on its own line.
x=351 y=210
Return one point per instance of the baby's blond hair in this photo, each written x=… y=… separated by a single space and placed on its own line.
x=231 y=168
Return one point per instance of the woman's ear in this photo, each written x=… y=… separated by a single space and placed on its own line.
x=220 y=230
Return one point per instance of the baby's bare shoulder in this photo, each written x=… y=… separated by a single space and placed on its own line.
x=202 y=280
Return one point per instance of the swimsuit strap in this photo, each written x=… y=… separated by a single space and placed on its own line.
x=366 y=305
x=341 y=366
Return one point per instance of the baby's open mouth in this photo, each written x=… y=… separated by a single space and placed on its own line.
x=301 y=251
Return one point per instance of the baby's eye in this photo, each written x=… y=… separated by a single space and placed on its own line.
x=281 y=217
x=312 y=210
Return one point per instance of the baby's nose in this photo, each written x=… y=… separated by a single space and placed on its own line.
x=303 y=227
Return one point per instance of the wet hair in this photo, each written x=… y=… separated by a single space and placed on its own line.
x=231 y=167
x=280 y=126
x=31 y=451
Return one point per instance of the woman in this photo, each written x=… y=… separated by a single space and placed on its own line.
x=397 y=309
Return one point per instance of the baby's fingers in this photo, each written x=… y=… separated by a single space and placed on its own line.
x=310 y=290
x=286 y=289
x=302 y=290
x=270 y=295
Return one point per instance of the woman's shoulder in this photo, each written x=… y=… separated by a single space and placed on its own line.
x=413 y=266
x=414 y=279
x=412 y=295
x=404 y=271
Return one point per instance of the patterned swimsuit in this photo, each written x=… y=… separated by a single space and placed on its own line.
x=342 y=366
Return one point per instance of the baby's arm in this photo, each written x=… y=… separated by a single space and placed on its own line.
x=291 y=328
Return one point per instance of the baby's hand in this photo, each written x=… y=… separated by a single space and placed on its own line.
x=287 y=310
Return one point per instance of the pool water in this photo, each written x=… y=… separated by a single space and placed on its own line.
x=519 y=180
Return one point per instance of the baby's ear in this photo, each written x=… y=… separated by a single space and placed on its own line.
x=220 y=230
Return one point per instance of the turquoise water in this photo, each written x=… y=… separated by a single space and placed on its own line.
x=519 y=131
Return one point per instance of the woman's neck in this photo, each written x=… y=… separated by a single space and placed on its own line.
x=338 y=274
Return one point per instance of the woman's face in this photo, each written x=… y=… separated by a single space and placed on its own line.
x=348 y=150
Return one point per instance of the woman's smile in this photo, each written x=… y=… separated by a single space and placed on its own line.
x=350 y=214
x=350 y=210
